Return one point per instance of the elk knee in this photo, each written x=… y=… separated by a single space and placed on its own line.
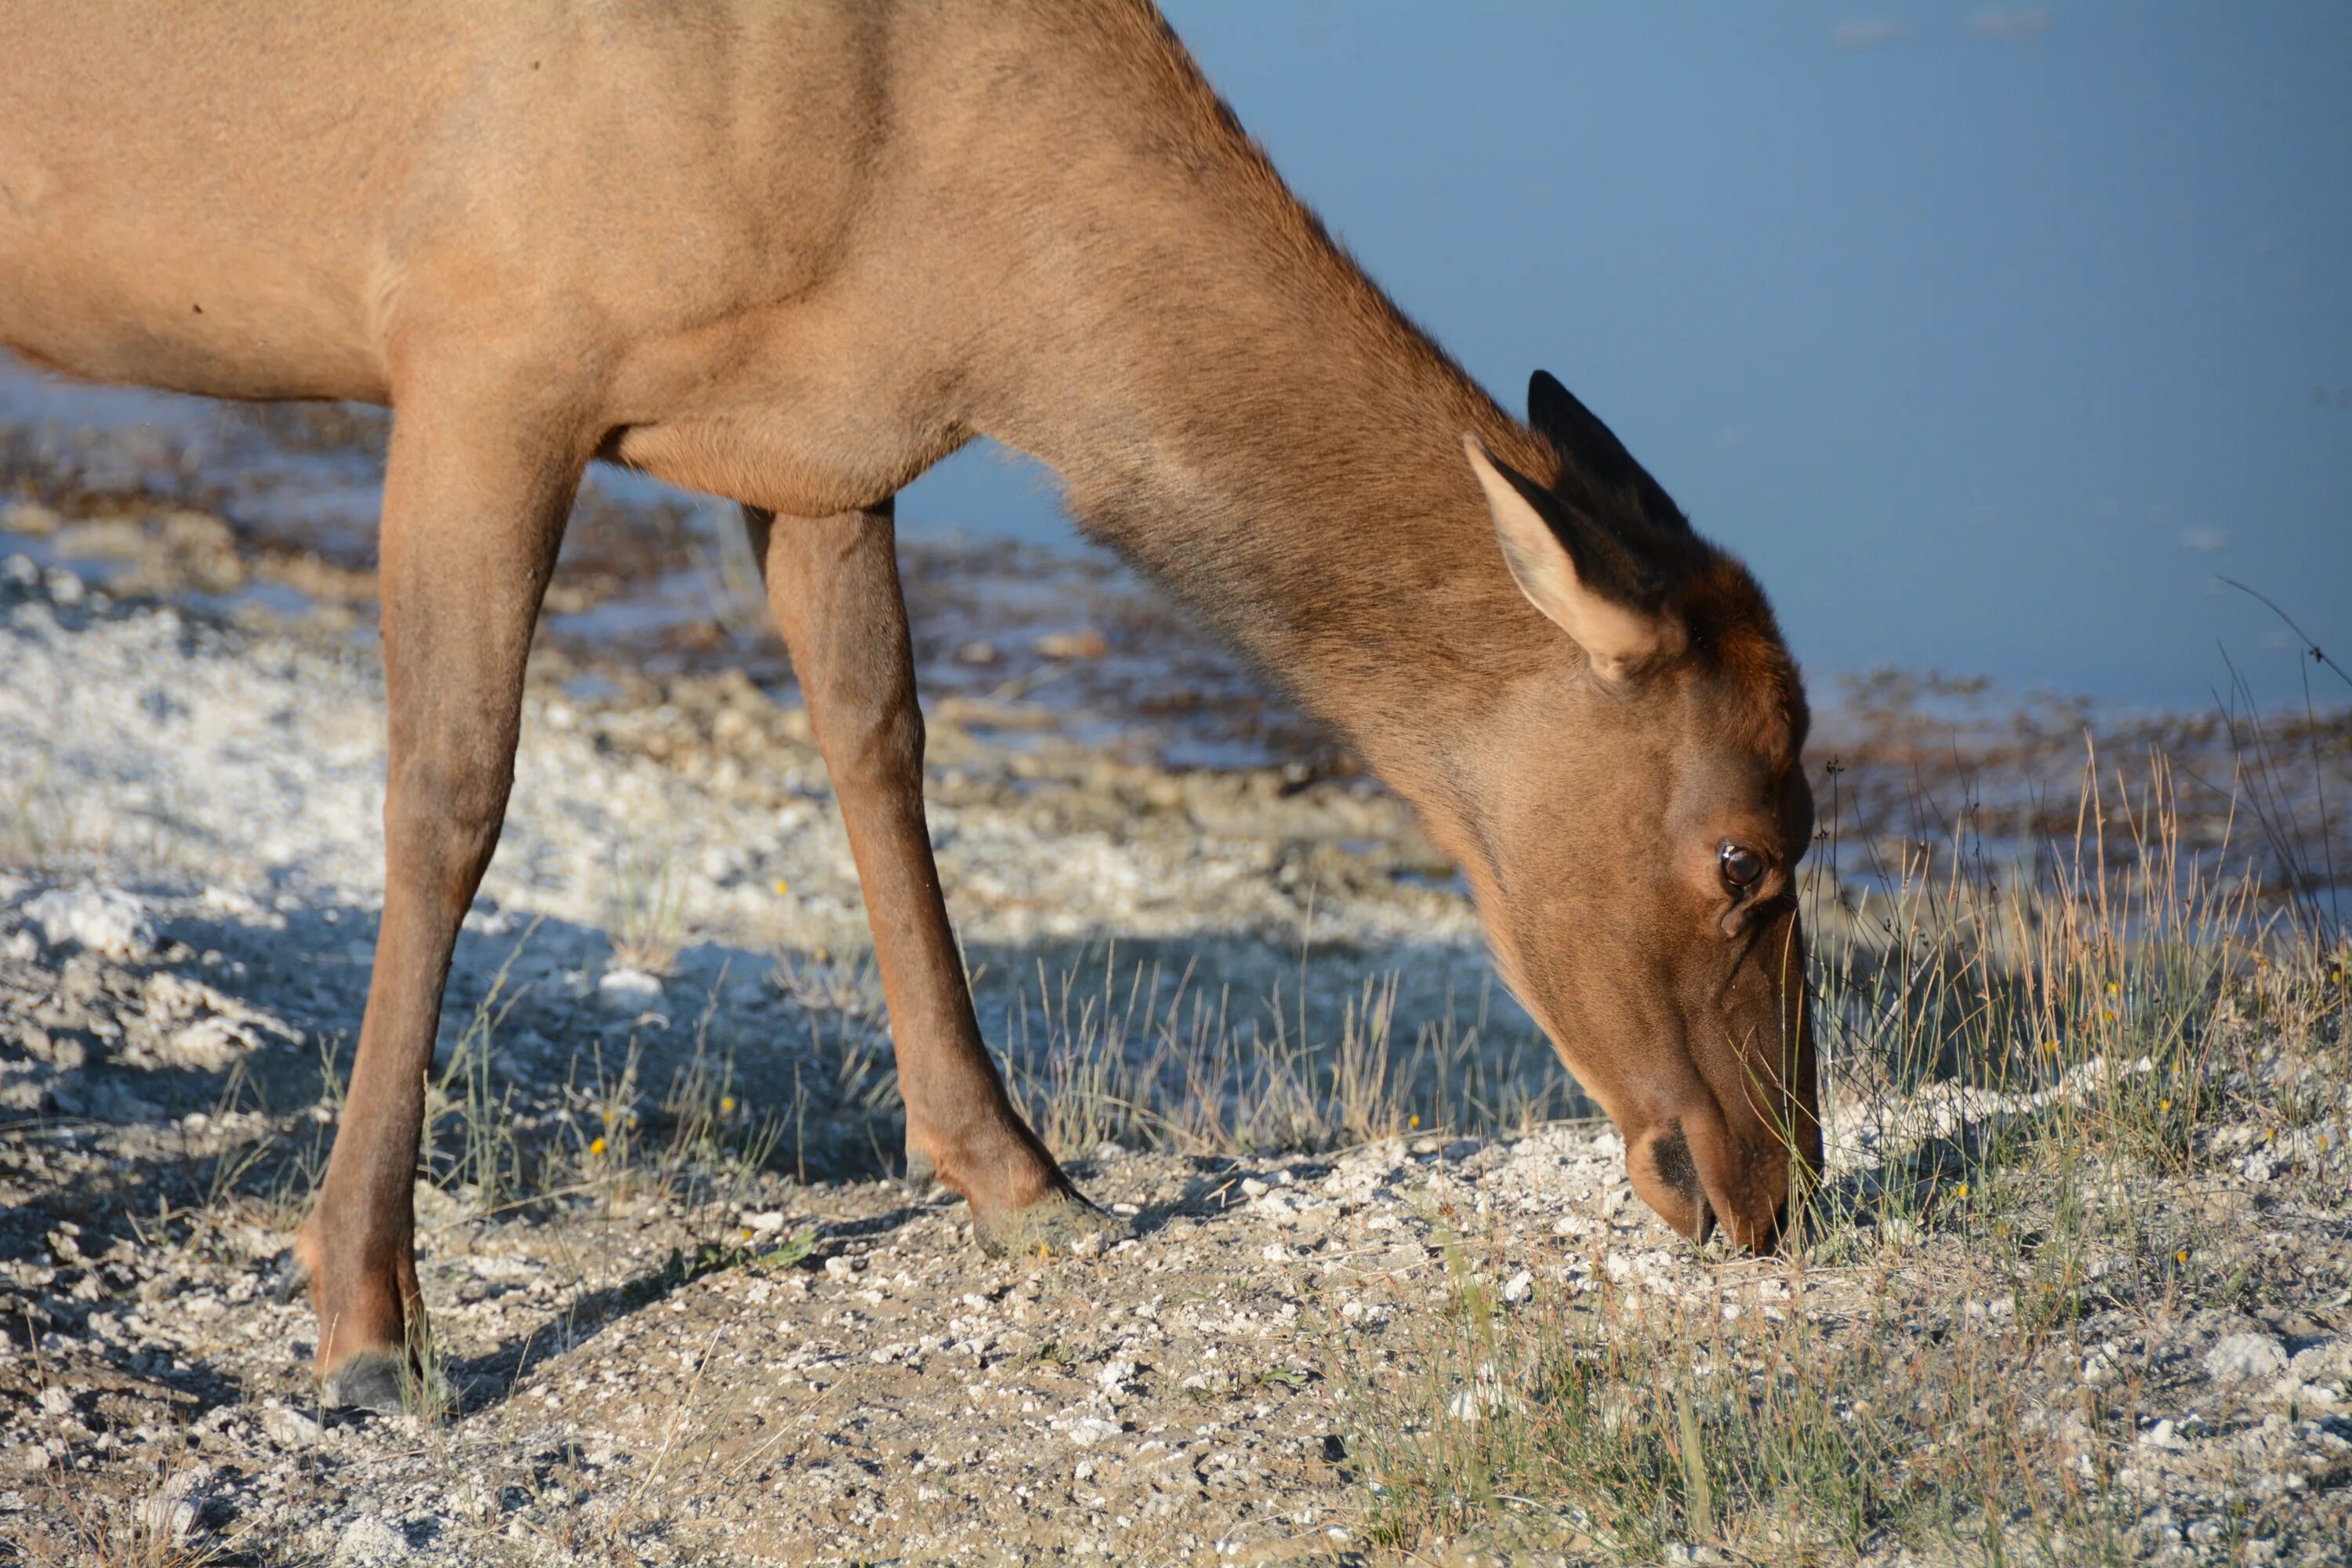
x=450 y=817
x=884 y=748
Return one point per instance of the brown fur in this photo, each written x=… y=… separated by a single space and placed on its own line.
x=794 y=254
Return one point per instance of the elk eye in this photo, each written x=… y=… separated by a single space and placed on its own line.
x=1741 y=867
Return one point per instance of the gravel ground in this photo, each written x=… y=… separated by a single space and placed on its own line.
x=674 y=1354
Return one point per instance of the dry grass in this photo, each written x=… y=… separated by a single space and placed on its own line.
x=1148 y=1060
x=646 y=894
x=2023 y=1057
x=156 y=1527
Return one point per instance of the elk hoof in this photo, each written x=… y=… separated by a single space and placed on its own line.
x=293 y=1281
x=367 y=1380
x=923 y=1178
x=1058 y=1224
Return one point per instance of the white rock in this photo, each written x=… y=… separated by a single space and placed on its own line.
x=210 y=1044
x=229 y=902
x=103 y=919
x=488 y=922
x=21 y=945
x=1516 y=1288
x=630 y=987
x=1678 y=1552
x=166 y=1518
x=369 y=1542
x=2238 y=1357
x=288 y=1428
x=767 y=1222
x=1114 y=1376
x=2319 y=1361
x=57 y=1401
x=1476 y=1404
x=1088 y=1430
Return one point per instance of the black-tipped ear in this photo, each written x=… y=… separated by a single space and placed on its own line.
x=1592 y=450
x=1605 y=564
x=1565 y=567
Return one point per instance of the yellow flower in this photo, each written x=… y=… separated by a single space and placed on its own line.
x=728 y=1105
x=2050 y=1046
x=2164 y=1105
x=2181 y=1256
x=783 y=889
x=747 y=1232
x=1964 y=1189
x=2111 y=988
x=1414 y=1122
x=597 y=1146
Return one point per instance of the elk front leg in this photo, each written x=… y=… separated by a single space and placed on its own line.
x=834 y=584
x=476 y=494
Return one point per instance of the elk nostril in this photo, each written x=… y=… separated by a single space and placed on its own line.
x=1671 y=1155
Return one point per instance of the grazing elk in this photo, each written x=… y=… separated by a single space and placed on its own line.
x=795 y=253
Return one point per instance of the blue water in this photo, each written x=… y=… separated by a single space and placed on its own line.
x=1992 y=336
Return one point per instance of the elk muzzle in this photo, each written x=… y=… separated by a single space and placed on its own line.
x=1739 y=1146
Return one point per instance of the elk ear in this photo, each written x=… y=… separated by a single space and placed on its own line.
x=1534 y=530
x=1594 y=451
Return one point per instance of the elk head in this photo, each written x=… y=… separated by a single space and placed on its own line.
x=1635 y=810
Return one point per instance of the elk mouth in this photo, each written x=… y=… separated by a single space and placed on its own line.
x=1691 y=1172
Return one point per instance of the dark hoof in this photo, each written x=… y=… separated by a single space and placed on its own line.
x=293 y=1281
x=368 y=1380
x=1058 y=1224
x=921 y=1180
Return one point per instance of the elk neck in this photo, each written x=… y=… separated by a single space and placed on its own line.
x=1236 y=408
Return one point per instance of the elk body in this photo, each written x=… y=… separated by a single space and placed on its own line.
x=794 y=254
